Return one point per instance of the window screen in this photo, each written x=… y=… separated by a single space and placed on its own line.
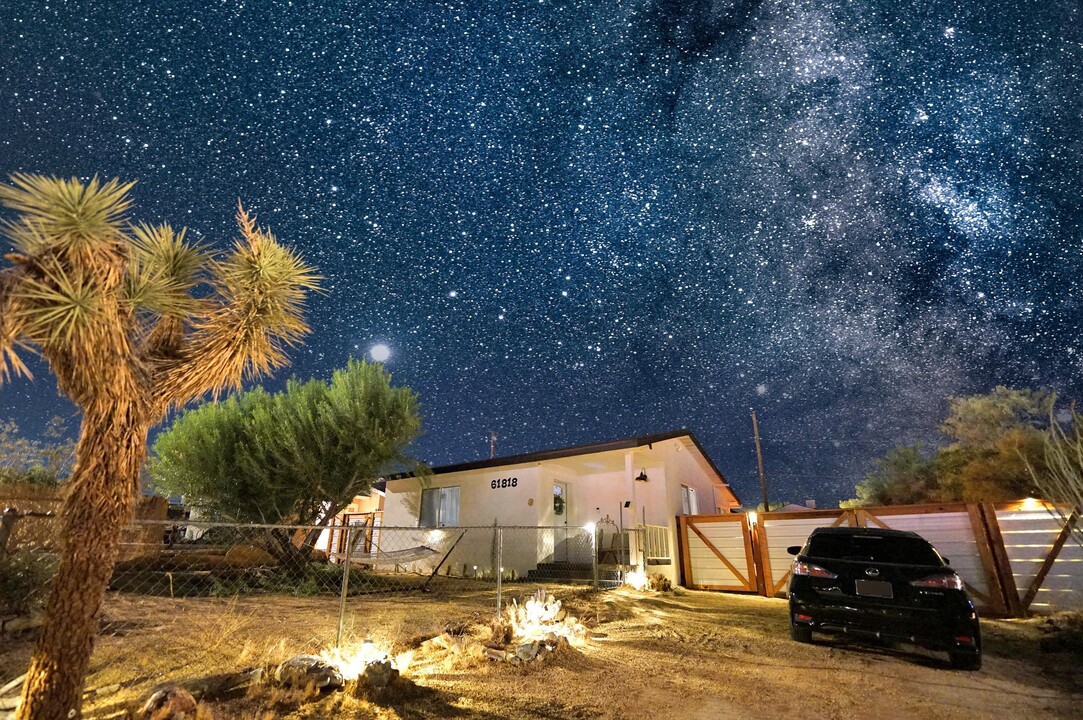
x=688 y=501
x=439 y=507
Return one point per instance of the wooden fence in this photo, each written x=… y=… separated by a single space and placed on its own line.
x=33 y=521
x=1015 y=558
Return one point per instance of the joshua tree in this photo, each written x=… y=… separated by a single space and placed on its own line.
x=118 y=312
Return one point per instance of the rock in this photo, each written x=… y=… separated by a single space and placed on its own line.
x=21 y=623
x=526 y=651
x=376 y=680
x=302 y=671
x=169 y=703
x=379 y=675
x=498 y=655
x=242 y=556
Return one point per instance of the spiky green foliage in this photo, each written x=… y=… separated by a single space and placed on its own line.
x=298 y=456
x=162 y=272
x=262 y=286
x=64 y=216
x=81 y=271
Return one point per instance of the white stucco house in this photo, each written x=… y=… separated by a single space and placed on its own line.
x=544 y=500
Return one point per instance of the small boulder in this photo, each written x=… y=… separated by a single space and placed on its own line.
x=496 y=654
x=169 y=703
x=526 y=651
x=379 y=675
x=303 y=671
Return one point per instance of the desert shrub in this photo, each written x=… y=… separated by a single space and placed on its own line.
x=659 y=583
x=1062 y=632
x=25 y=578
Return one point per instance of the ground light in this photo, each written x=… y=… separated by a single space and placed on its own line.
x=1030 y=504
x=637 y=579
x=352 y=661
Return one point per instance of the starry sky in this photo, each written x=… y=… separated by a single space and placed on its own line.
x=578 y=221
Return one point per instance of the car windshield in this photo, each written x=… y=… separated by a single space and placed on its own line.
x=873 y=548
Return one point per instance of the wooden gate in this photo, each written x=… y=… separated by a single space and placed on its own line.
x=716 y=553
x=776 y=531
x=1041 y=568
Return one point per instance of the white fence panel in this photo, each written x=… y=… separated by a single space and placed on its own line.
x=784 y=532
x=707 y=569
x=954 y=537
x=1028 y=538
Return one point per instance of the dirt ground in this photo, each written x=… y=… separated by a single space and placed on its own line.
x=676 y=655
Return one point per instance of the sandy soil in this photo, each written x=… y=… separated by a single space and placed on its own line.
x=683 y=655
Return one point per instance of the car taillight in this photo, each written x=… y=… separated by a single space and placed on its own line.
x=950 y=581
x=800 y=567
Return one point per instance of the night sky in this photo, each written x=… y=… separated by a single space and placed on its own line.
x=579 y=221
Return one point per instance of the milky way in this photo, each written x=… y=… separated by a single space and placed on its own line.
x=580 y=221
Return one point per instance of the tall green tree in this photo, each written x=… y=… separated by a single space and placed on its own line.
x=133 y=320
x=906 y=474
x=299 y=456
x=995 y=440
x=995 y=436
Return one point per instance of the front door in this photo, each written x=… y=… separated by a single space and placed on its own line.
x=560 y=521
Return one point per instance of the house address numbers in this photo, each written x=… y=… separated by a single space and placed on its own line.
x=504 y=483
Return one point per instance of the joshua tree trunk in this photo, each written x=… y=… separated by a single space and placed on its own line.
x=104 y=484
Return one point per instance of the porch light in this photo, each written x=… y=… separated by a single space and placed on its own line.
x=752 y=517
x=590 y=527
x=642 y=476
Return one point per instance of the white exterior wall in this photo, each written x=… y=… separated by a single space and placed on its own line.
x=479 y=503
x=593 y=496
x=480 y=507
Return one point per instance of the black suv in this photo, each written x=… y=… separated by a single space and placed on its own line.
x=884 y=584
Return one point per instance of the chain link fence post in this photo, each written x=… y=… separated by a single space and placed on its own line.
x=499 y=569
x=594 y=553
x=345 y=586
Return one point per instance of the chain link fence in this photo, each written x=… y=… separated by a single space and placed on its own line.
x=181 y=572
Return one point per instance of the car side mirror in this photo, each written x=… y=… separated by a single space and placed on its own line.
x=796 y=550
x=946 y=561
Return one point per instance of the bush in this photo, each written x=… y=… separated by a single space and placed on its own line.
x=659 y=583
x=25 y=578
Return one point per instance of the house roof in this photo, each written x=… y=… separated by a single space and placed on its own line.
x=576 y=450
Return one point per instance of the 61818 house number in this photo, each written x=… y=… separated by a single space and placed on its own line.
x=504 y=483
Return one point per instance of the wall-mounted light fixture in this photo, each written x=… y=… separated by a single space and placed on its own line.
x=642 y=476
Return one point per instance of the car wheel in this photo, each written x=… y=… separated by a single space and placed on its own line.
x=801 y=633
x=965 y=660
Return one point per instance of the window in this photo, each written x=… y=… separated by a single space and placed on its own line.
x=688 y=501
x=873 y=548
x=439 y=507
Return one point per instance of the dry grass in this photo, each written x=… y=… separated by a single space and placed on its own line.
x=679 y=655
